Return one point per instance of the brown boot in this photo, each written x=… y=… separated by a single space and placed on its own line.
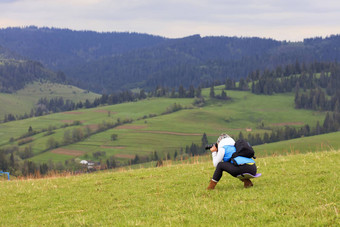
x=247 y=183
x=212 y=185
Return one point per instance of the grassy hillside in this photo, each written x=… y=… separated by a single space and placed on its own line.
x=24 y=100
x=325 y=142
x=295 y=190
x=151 y=131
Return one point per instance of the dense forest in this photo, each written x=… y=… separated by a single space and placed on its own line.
x=111 y=62
x=60 y=48
x=15 y=74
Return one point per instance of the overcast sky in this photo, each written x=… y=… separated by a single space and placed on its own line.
x=290 y=20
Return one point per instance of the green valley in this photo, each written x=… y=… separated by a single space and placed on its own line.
x=146 y=127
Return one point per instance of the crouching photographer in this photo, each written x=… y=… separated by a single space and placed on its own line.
x=222 y=157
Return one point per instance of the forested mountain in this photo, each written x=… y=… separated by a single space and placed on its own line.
x=188 y=61
x=107 y=62
x=61 y=48
x=199 y=61
x=16 y=72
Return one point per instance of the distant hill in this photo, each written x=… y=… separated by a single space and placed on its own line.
x=24 y=100
x=15 y=74
x=17 y=71
x=23 y=82
x=199 y=61
x=107 y=62
x=61 y=48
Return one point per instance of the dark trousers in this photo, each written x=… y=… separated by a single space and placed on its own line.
x=232 y=170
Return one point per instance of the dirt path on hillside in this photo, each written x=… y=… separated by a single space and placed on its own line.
x=131 y=127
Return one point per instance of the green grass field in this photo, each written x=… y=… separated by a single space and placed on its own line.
x=325 y=142
x=162 y=133
x=24 y=100
x=294 y=190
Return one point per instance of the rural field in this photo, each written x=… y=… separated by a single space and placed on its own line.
x=152 y=128
x=294 y=190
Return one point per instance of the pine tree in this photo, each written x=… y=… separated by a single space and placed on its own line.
x=212 y=92
x=240 y=136
x=317 y=128
x=224 y=95
x=327 y=123
x=191 y=92
x=181 y=92
x=12 y=161
x=204 y=140
x=198 y=92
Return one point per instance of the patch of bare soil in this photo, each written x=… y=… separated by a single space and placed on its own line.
x=68 y=152
x=131 y=127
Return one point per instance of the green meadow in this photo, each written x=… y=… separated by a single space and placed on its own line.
x=24 y=100
x=152 y=130
x=294 y=190
x=325 y=142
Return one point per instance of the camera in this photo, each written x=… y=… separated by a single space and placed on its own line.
x=207 y=147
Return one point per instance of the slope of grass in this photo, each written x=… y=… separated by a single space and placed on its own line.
x=168 y=133
x=325 y=142
x=295 y=190
x=24 y=100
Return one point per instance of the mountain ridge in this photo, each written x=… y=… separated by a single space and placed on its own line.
x=110 y=62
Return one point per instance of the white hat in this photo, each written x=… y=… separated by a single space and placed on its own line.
x=222 y=136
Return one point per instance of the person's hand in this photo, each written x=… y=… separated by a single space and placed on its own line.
x=213 y=149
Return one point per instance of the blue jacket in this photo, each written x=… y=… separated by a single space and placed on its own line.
x=229 y=150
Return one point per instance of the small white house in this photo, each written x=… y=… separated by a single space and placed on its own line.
x=84 y=162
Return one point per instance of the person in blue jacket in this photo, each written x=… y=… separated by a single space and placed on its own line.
x=221 y=156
